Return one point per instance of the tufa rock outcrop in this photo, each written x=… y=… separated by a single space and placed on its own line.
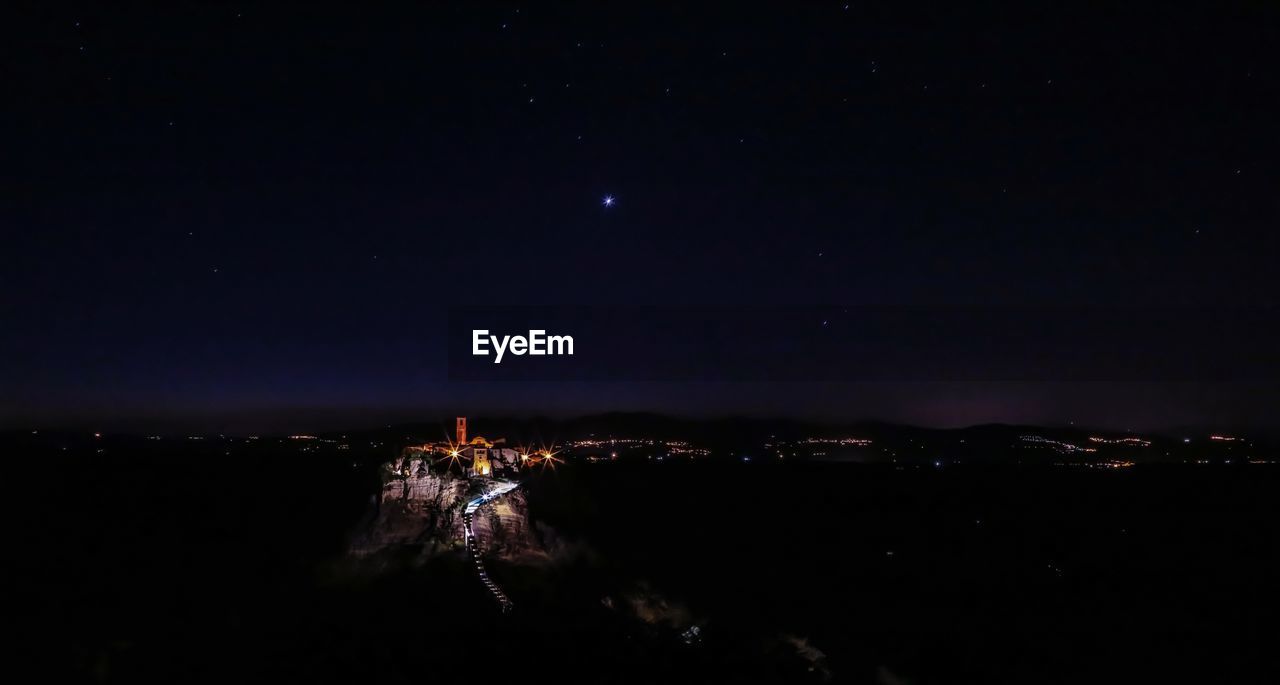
x=422 y=508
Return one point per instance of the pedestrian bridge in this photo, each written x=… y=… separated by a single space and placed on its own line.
x=503 y=487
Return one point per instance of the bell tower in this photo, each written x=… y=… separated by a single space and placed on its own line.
x=462 y=431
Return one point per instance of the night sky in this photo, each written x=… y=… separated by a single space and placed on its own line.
x=239 y=217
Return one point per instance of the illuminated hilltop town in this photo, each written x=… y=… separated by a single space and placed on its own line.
x=478 y=456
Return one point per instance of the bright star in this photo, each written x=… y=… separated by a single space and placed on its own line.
x=608 y=200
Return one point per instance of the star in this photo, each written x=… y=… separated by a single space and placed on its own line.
x=608 y=201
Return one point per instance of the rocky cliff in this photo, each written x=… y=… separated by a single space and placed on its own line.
x=422 y=508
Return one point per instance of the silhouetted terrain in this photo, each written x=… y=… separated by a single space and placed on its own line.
x=218 y=559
